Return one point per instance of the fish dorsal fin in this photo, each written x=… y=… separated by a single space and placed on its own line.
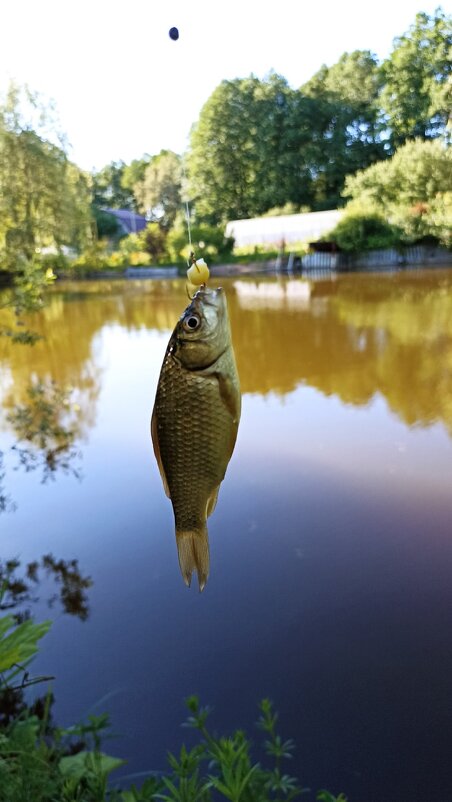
x=155 y=443
x=212 y=501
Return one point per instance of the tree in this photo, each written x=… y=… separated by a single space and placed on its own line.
x=250 y=149
x=153 y=241
x=412 y=189
x=109 y=189
x=133 y=176
x=347 y=136
x=159 y=192
x=417 y=93
x=44 y=199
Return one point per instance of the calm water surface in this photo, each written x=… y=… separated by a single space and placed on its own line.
x=331 y=544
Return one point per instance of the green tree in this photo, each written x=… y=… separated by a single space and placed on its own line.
x=44 y=199
x=153 y=240
x=417 y=94
x=250 y=149
x=412 y=189
x=159 y=192
x=109 y=189
x=347 y=134
x=133 y=176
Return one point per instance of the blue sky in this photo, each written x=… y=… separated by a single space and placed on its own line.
x=123 y=88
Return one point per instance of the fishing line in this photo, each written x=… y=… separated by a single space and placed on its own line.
x=187 y=208
x=173 y=33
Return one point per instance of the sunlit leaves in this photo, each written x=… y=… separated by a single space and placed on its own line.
x=416 y=96
x=44 y=199
x=19 y=642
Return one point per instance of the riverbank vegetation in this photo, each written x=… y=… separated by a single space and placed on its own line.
x=45 y=763
x=373 y=135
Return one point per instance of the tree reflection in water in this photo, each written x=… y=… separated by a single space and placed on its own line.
x=20 y=588
x=46 y=429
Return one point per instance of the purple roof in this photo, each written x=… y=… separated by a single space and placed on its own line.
x=130 y=222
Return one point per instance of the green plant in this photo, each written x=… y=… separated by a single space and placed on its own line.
x=364 y=231
x=43 y=763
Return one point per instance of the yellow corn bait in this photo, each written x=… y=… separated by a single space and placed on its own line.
x=198 y=273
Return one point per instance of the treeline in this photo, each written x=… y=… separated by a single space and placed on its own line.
x=258 y=147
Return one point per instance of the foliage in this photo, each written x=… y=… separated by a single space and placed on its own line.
x=95 y=259
x=250 y=149
x=259 y=144
x=153 y=240
x=412 y=189
x=26 y=295
x=133 y=176
x=288 y=208
x=19 y=590
x=208 y=240
x=158 y=193
x=18 y=642
x=38 y=758
x=416 y=97
x=106 y=224
x=44 y=199
x=358 y=231
x=41 y=762
x=46 y=428
x=110 y=189
x=348 y=134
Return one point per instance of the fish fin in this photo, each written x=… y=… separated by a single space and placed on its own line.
x=230 y=395
x=193 y=552
x=212 y=501
x=155 y=443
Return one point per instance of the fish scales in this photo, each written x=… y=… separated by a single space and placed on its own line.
x=194 y=429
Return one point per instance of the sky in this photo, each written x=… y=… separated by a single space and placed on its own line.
x=123 y=88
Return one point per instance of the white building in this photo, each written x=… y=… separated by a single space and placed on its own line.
x=289 y=228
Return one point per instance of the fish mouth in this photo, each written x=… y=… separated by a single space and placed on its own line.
x=205 y=295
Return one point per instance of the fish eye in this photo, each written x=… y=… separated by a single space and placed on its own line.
x=192 y=323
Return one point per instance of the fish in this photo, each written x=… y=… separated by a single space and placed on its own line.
x=195 y=421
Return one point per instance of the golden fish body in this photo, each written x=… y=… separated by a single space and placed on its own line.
x=194 y=422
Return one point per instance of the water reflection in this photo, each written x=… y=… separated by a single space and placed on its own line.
x=331 y=544
x=20 y=587
x=46 y=429
x=354 y=337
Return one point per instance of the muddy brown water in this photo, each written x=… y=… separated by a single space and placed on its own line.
x=331 y=544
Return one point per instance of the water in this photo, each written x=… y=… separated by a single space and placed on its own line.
x=331 y=547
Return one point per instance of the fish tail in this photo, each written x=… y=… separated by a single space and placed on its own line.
x=193 y=551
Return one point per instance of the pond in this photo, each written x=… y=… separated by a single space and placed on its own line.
x=331 y=545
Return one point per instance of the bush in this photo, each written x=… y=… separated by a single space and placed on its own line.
x=364 y=232
x=208 y=241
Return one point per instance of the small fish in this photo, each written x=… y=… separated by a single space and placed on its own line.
x=195 y=421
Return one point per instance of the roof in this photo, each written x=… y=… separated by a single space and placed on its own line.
x=288 y=228
x=130 y=222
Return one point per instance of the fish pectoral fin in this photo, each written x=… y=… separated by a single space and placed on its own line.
x=155 y=443
x=230 y=395
x=193 y=552
x=212 y=501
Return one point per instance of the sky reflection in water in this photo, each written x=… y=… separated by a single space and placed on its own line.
x=331 y=553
